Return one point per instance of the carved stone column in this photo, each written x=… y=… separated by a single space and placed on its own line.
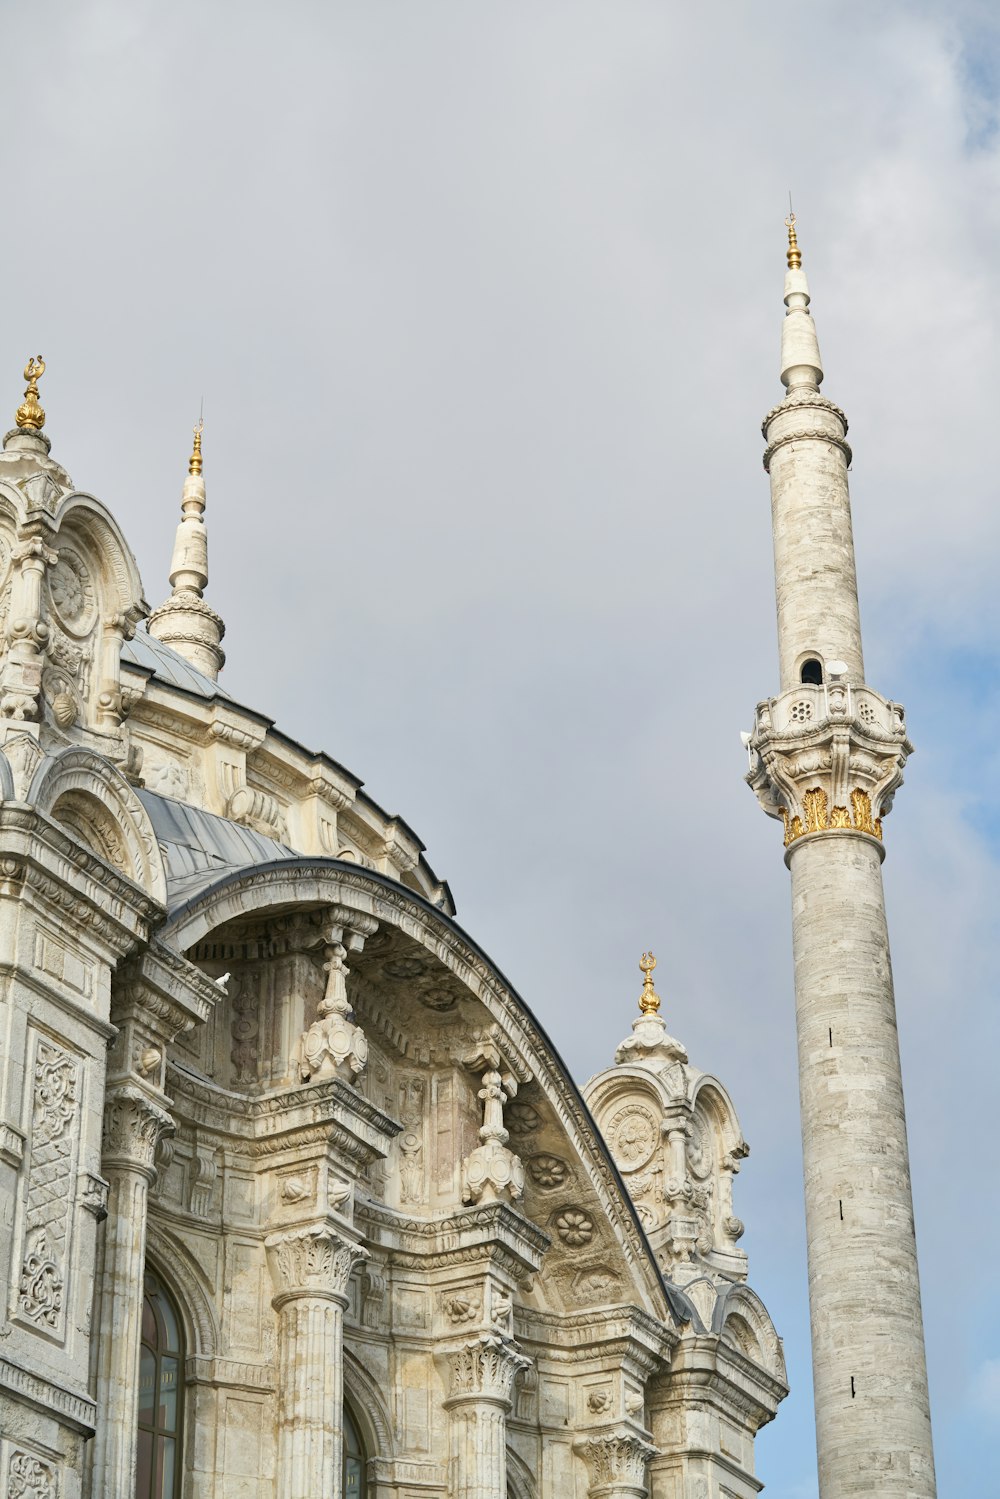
x=616 y=1463
x=133 y=1127
x=310 y=1268
x=482 y=1383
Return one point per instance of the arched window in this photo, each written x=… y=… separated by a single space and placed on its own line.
x=812 y=672
x=161 y=1390
x=354 y=1459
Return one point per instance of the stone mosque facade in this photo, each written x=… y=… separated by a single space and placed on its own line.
x=298 y=1198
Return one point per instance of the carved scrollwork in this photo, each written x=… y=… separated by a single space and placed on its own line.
x=617 y=1461
x=30 y=1477
x=486 y=1370
x=316 y=1261
x=133 y=1128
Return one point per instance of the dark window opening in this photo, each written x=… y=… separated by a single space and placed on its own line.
x=812 y=672
x=353 y=1477
x=161 y=1391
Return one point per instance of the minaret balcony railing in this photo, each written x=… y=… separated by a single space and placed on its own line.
x=828 y=758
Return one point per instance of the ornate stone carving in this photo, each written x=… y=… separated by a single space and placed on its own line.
x=574 y=1227
x=133 y=1128
x=49 y=1187
x=334 y=1046
x=246 y=1028
x=632 y=1134
x=94 y=1196
x=492 y=1171
x=411 y=1141
x=486 y=1370
x=30 y=1477
x=462 y=1308
x=828 y=758
x=372 y=1296
x=547 y=1171
x=617 y=1462
x=315 y=1261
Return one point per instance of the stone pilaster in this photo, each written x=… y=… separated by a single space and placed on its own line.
x=482 y=1384
x=133 y=1127
x=310 y=1270
x=616 y=1464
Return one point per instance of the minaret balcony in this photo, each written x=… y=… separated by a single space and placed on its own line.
x=828 y=758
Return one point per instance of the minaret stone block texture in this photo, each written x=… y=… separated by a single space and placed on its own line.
x=826 y=757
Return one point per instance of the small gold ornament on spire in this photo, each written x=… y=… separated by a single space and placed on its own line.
x=29 y=415
x=194 y=465
x=649 y=1000
x=794 y=253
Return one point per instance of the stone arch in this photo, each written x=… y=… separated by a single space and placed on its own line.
x=520 y=1479
x=741 y=1319
x=180 y=1272
x=710 y=1098
x=310 y=882
x=84 y=520
x=7 y=791
x=85 y=794
x=368 y=1407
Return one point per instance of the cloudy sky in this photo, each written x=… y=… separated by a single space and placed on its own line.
x=484 y=302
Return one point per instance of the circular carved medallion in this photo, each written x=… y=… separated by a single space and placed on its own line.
x=72 y=593
x=632 y=1135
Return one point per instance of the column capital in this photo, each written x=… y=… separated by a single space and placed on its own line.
x=827 y=758
x=616 y=1462
x=316 y=1261
x=485 y=1370
x=134 y=1125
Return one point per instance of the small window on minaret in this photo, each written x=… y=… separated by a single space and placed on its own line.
x=812 y=672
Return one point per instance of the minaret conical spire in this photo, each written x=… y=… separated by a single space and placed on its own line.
x=826 y=757
x=185 y=621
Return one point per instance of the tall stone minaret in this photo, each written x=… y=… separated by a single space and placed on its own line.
x=826 y=756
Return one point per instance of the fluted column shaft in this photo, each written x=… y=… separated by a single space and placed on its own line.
x=483 y=1375
x=872 y=1412
x=310 y=1269
x=133 y=1127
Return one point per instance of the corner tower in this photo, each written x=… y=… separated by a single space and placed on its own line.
x=826 y=756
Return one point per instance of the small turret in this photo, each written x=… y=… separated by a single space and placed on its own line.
x=674 y=1134
x=185 y=622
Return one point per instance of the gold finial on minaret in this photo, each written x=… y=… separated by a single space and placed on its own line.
x=29 y=415
x=794 y=253
x=649 y=1000
x=194 y=463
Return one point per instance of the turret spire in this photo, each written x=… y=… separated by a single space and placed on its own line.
x=185 y=621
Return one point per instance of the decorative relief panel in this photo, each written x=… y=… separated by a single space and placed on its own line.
x=412 y=1093
x=49 y=1193
x=31 y=1477
x=632 y=1133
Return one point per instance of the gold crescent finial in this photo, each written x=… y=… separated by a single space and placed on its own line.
x=194 y=464
x=794 y=253
x=649 y=1000
x=29 y=415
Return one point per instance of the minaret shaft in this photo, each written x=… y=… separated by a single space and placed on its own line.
x=827 y=755
x=873 y=1428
